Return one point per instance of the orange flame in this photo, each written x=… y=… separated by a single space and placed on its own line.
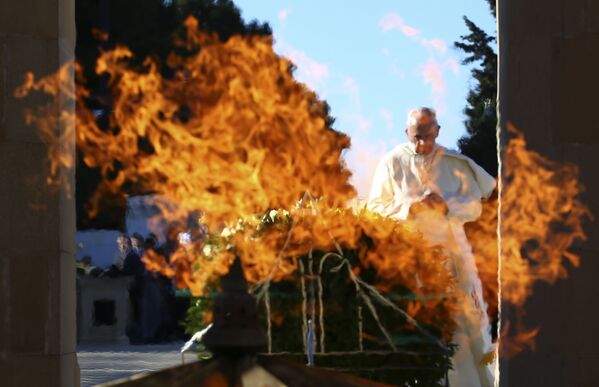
x=541 y=218
x=234 y=134
x=270 y=252
x=232 y=131
x=55 y=120
x=520 y=339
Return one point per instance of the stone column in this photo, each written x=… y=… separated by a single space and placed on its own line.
x=549 y=89
x=37 y=227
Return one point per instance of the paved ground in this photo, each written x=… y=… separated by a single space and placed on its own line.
x=101 y=363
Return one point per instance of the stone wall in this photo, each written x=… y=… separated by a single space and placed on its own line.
x=548 y=88
x=37 y=227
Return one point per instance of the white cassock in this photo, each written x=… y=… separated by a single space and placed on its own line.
x=403 y=178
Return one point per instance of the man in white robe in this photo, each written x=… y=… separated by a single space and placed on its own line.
x=439 y=190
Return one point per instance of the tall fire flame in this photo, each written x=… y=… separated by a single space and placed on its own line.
x=541 y=218
x=233 y=135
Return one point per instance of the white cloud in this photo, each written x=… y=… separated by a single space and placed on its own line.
x=386 y=51
x=387 y=117
x=438 y=44
x=393 y=21
x=309 y=71
x=355 y=117
x=453 y=65
x=432 y=73
x=283 y=15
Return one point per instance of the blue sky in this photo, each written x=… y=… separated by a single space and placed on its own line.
x=372 y=64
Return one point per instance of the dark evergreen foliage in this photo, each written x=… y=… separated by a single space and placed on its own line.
x=480 y=142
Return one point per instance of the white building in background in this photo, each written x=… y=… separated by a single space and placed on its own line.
x=98 y=244
x=101 y=244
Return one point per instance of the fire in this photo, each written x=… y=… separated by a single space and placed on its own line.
x=541 y=218
x=270 y=251
x=233 y=134
x=55 y=121
x=231 y=131
x=517 y=340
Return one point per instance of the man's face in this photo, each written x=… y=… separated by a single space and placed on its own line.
x=123 y=243
x=136 y=243
x=423 y=134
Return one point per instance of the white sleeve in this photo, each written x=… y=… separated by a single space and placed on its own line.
x=466 y=205
x=384 y=196
x=381 y=192
x=464 y=209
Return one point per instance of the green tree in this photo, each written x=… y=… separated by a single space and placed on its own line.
x=147 y=27
x=480 y=142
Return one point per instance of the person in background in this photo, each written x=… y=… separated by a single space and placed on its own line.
x=124 y=248
x=137 y=244
x=151 y=242
x=133 y=266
